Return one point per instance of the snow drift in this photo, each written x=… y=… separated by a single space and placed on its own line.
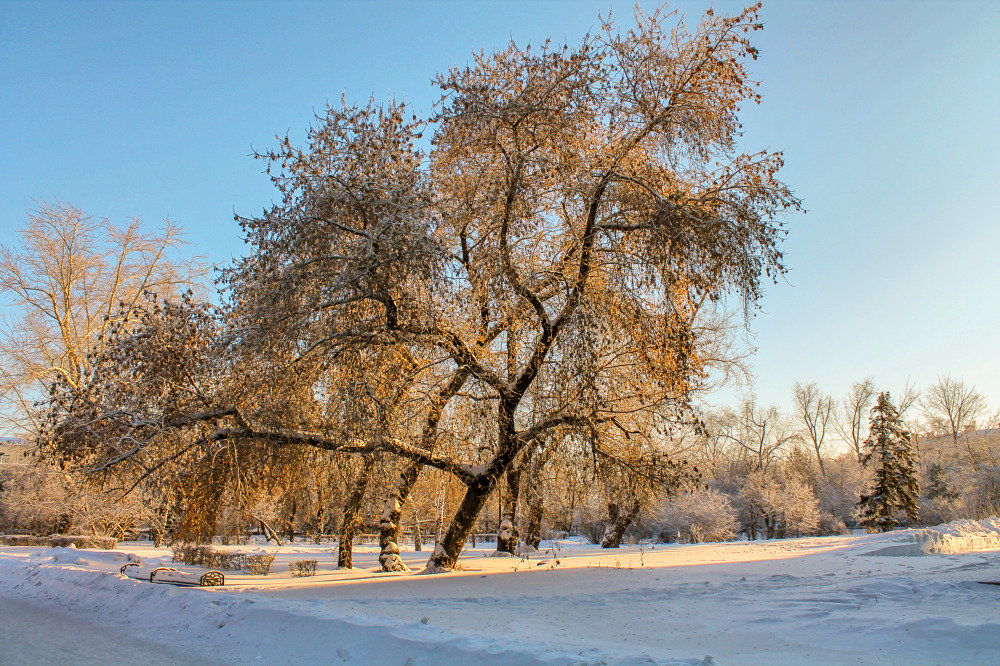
x=960 y=536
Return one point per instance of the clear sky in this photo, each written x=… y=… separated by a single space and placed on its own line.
x=887 y=112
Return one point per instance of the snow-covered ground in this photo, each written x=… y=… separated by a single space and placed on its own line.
x=909 y=597
x=31 y=634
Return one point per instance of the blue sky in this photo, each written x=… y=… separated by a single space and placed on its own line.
x=887 y=113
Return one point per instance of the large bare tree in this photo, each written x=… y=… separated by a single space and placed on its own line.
x=543 y=266
x=570 y=192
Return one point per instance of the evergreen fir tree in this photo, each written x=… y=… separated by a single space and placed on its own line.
x=888 y=448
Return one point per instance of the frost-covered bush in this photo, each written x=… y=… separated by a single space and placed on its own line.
x=303 y=568
x=838 y=490
x=258 y=565
x=205 y=556
x=704 y=514
x=938 y=510
x=778 y=506
x=38 y=501
x=830 y=524
x=61 y=541
x=982 y=493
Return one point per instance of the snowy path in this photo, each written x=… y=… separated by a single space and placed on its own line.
x=803 y=601
x=34 y=634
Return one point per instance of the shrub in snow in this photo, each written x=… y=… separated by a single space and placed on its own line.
x=259 y=565
x=303 y=567
x=96 y=542
x=61 y=541
x=593 y=530
x=778 y=506
x=704 y=514
x=838 y=490
x=205 y=556
x=830 y=524
x=938 y=510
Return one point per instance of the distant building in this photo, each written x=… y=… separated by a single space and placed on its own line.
x=15 y=451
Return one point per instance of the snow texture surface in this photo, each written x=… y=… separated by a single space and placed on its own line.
x=828 y=600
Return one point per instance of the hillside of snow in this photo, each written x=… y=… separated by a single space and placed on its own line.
x=907 y=597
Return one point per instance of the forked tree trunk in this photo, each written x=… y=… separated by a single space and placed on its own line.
x=352 y=515
x=449 y=547
x=617 y=524
x=393 y=509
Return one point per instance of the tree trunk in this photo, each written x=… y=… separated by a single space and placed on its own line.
x=449 y=547
x=509 y=445
x=388 y=525
x=533 y=528
x=618 y=523
x=159 y=530
x=352 y=515
x=769 y=526
x=290 y=521
x=537 y=457
x=418 y=538
x=612 y=519
x=819 y=459
x=507 y=536
x=318 y=523
x=269 y=534
x=389 y=520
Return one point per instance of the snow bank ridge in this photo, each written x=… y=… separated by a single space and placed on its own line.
x=960 y=536
x=252 y=630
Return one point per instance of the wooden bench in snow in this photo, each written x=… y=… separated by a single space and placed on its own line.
x=175 y=577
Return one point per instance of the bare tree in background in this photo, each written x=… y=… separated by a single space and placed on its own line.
x=908 y=397
x=854 y=414
x=758 y=433
x=59 y=289
x=813 y=411
x=951 y=408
